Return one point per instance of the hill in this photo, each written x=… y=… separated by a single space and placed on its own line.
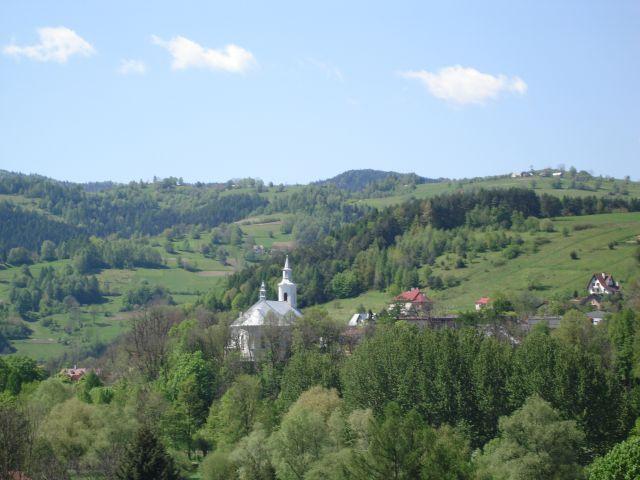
x=358 y=180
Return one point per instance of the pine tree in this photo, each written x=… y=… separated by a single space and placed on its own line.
x=147 y=459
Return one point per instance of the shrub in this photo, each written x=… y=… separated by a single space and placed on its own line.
x=573 y=255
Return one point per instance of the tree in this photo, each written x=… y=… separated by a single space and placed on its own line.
x=622 y=462
x=395 y=448
x=19 y=256
x=15 y=437
x=148 y=341
x=304 y=434
x=252 y=456
x=48 y=251
x=534 y=443
x=233 y=417
x=147 y=459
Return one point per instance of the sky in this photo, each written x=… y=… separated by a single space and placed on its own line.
x=296 y=91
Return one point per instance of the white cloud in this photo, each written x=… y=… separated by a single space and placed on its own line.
x=132 y=67
x=57 y=44
x=187 y=53
x=465 y=85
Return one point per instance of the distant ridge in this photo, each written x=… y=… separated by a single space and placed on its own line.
x=358 y=180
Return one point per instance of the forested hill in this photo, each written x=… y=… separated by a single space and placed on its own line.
x=359 y=180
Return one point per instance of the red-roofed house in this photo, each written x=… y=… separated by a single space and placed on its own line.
x=482 y=303
x=602 y=283
x=74 y=374
x=412 y=304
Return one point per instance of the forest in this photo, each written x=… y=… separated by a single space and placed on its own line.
x=170 y=397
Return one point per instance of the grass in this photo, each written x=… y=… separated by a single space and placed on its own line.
x=344 y=308
x=551 y=268
x=542 y=185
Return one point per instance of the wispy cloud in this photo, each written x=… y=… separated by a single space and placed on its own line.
x=465 y=85
x=331 y=71
x=189 y=54
x=131 y=67
x=57 y=44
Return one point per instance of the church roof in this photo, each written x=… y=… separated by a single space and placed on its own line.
x=256 y=314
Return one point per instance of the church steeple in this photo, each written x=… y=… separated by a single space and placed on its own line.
x=287 y=290
x=286 y=271
x=263 y=291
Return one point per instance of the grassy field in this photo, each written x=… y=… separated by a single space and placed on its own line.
x=551 y=268
x=540 y=184
x=106 y=321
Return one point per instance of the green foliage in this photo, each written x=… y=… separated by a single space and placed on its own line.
x=16 y=371
x=147 y=459
x=622 y=462
x=304 y=436
x=19 y=256
x=345 y=285
x=49 y=289
x=145 y=294
x=233 y=417
x=534 y=442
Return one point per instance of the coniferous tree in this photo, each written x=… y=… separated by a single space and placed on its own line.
x=147 y=459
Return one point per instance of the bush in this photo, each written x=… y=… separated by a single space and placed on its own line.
x=19 y=256
x=582 y=226
x=546 y=225
x=573 y=255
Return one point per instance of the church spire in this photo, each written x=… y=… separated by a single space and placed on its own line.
x=286 y=271
x=263 y=291
x=287 y=290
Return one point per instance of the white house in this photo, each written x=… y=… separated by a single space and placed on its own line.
x=602 y=284
x=252 y=333
x=596 y=316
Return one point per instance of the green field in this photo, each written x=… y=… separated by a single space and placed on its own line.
x=542 y=185
x=552 y=268
x=106 y=321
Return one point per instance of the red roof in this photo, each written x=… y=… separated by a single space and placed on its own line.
x=483 y=301
x=414 y=296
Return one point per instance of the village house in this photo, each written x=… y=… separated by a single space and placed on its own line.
x=596 y=316
x=412 y=304
x=74 y=374
x=252 y=333
x=602 y=284
x=482 y=302
x=360 y=319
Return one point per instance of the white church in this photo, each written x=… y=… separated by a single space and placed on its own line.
x=249 y=332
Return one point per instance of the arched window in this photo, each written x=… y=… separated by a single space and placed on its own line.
x=286 y=296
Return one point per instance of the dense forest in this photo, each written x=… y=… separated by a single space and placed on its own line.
x=172 y=397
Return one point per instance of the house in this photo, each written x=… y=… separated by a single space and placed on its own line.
x=596 y=316
x=520 y=174
x=552 y=321
x=602 y=284
x=412 y=304
x=266 y=321
x=360 y=319
x=482 y=302
x=556 y=174
x=74 y=374
x=259 y=249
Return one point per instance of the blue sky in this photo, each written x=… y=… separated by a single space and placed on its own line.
x=297 y=91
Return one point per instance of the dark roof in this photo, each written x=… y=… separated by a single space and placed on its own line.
x=604 y=279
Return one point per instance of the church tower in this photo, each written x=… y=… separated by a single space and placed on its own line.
x=287 y=290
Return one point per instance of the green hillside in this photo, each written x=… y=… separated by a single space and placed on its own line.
x=104 y=322
x=547 y=273
x=594 y=186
